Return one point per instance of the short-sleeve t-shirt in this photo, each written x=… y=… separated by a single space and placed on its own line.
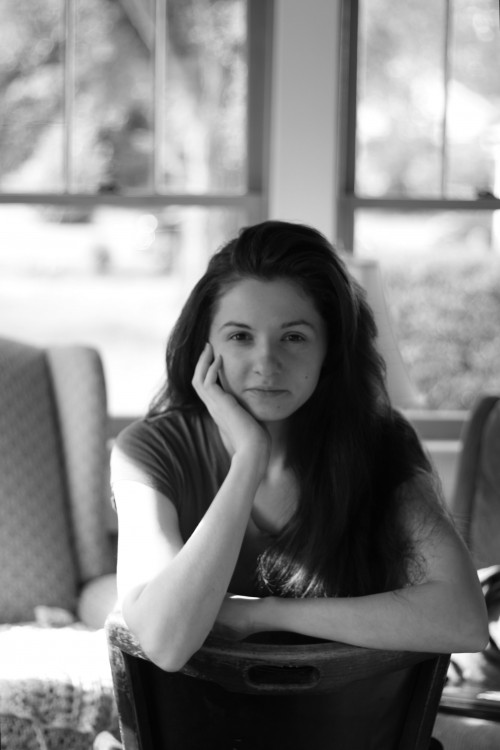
x=181 y=455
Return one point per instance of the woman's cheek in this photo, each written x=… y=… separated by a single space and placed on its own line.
x=223 y=379
x=227 y=376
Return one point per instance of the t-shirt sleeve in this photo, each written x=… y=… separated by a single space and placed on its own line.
x=141 y=453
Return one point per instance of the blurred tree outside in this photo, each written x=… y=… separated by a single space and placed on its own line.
x=204 y=100
x=447 y=319
x=402 y=97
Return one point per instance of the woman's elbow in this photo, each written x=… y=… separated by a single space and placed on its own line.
x=169 y=649
x=167 y=659
x=170 y=652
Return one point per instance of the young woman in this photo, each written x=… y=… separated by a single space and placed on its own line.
x=272 y=486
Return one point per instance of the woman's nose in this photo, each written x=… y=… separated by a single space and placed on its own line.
x=266 y=360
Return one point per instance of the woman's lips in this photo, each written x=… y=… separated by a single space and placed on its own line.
x=267 y=392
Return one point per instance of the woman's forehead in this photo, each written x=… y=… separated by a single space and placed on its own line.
x=279 y=298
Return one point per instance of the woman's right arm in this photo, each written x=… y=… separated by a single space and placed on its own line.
x=171 y=592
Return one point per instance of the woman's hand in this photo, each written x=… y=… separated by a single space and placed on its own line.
x=240 y=432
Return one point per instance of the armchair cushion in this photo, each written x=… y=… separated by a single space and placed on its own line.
x=36 y=558
x=78 y=378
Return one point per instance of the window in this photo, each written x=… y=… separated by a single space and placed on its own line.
x=132 y=143
x=420 y=181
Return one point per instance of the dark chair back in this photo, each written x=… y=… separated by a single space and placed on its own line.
x=269 y=695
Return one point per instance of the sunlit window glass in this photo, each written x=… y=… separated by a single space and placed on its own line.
x=473 y=116
x=428 y=98
x=123 y=97
x=31 y=95
x=400 y=97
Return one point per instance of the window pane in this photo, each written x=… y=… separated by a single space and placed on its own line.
x=205 y=100
x=31 y=95
x=115 y=279
x=442 y=279
x=407 y=50
x=474 y=100
x=200 y=94
x=400 y=97
x=113 y=104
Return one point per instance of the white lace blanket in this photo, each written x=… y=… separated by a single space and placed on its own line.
x=56 y=677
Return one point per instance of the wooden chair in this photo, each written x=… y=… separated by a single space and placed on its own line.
x=276 y=681
x=473 y=706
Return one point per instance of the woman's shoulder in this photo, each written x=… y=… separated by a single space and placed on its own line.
x=160 y=450
x=177 y=435
x=167 y=426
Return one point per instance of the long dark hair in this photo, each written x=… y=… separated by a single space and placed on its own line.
x=349 y=449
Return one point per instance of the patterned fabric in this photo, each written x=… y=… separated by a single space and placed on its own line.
x=21 y=734
x=56 y=687
x=36 y=559
x=81 y=402
x=55 y=681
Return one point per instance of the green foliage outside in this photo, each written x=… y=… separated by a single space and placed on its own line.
x=447 y=321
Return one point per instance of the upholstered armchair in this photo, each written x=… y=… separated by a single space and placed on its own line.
x=469 y=715
x=56 y=559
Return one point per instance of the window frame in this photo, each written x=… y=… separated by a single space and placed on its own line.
x=348 y=201
x=254 y=200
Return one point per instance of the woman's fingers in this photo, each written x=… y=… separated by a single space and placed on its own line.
x=206 y=372
x=238 y=428
x=213 y=371
x=202 y=366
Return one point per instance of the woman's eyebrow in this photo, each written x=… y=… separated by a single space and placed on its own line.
x=290 y=324
x=297 y=323
x=234 y=324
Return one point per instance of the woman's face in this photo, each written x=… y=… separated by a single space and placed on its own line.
x=273 y=343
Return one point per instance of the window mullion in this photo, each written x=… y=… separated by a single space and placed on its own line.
x=347 y=140
x=69 y=94
x=446 y=94
x=159 y=85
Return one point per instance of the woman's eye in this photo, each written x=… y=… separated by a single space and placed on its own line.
x=239 y=336
x=294 y=338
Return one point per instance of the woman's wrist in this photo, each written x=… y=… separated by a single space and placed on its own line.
x=251 y=461
x=266 y=615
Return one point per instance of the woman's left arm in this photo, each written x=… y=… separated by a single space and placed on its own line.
x=442 y=611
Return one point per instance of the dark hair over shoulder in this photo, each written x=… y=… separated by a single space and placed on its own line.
x=337 y=437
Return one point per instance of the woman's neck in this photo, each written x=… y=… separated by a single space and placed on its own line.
x=278 y=432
